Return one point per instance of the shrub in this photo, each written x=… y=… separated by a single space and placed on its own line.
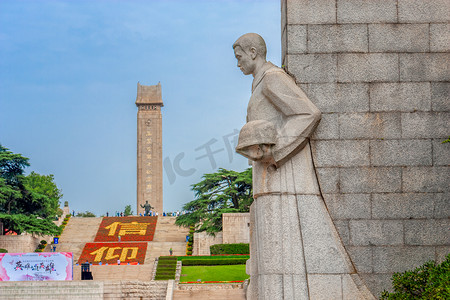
x=44 y=242
x=214 y=262
x=166 y=268
x=190 y=243
x=3 y=250
x=429 y=281
x=189 y=252
x=230 y=249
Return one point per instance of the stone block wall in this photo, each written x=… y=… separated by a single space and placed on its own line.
x=379 y=72
x=202 y=242
x=20 y=243
x=236 y=228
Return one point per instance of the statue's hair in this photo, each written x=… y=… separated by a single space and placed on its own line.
x=249 y=40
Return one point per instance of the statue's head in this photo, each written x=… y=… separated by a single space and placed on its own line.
x=249 y=49
x=146 y=202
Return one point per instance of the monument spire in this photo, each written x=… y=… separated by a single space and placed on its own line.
x=149 y=147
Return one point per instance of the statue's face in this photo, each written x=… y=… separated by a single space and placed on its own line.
x=244 y=61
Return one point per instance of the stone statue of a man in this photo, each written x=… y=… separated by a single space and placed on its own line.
x=294 y=247
x=147 y=207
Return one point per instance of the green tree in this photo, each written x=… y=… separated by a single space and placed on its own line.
x=429 y=281
x=86 y=214
x=225 y=191
x=27 y=203
x=44 y=190
x=128 y=211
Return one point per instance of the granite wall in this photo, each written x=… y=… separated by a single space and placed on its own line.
x=379 y=71
x=236 y=228
x=19 y=243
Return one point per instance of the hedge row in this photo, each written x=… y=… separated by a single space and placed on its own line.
x=166 y=268
x=214 y=262
x=230 y=249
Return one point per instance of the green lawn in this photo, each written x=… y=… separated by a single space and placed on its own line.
x=213 y=257
x=213 y=273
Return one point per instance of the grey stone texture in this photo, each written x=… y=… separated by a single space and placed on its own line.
x=423 y=11
x=297 y=35
x=441 y=153
x=425 y=125
x=328 y=128
x=401 y=152
x=337 y=38
x=347 y=153
x=440 y=37
x=360 y=255
x=332 y=184
x=440 y=96
x=404 y=205
x=310 y=12
x=367 y=67
x=370 y=126
x=400 y=96
x=398 y=38
x=427 y=232
x=398 y=259
x=379 y=72
x=348 y=206
x=376 y=232
x=366 y=11
x=426 y=179
x=313 y=68
x=441 y=205
x=371 y=180
x=424 y=67
x=341 y=97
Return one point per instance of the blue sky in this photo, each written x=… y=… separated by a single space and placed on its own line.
x=68 y=76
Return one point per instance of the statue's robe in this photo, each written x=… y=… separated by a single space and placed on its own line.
x=293 y=242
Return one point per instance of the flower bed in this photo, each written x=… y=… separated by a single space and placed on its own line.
x=128 y=228
x=110 y=252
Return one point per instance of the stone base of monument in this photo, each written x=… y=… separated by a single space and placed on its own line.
x=209 y=292
x=154 y=290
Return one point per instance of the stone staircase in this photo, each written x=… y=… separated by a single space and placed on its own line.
x=167 y=235
x=80 y=231
x=209 y=292
x=77 y=233
x=117 y=273
x=119 y=282
x=111 y=290
x=51 y=290
x=153 y=290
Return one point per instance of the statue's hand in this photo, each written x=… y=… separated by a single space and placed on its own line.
x=262 y=152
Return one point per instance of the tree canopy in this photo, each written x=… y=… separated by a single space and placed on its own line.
x=27 y=203
x=86 y=214
x=225 y=191
x=127 y=211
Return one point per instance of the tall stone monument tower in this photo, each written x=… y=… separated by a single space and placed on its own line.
x=149 y=147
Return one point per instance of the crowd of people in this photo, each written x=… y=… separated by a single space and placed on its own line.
x=152 y=213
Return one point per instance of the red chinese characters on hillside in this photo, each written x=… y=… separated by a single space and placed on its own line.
x=127 y=228
x=110 y=253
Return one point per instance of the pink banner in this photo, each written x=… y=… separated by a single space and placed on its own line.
x=36 y=266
